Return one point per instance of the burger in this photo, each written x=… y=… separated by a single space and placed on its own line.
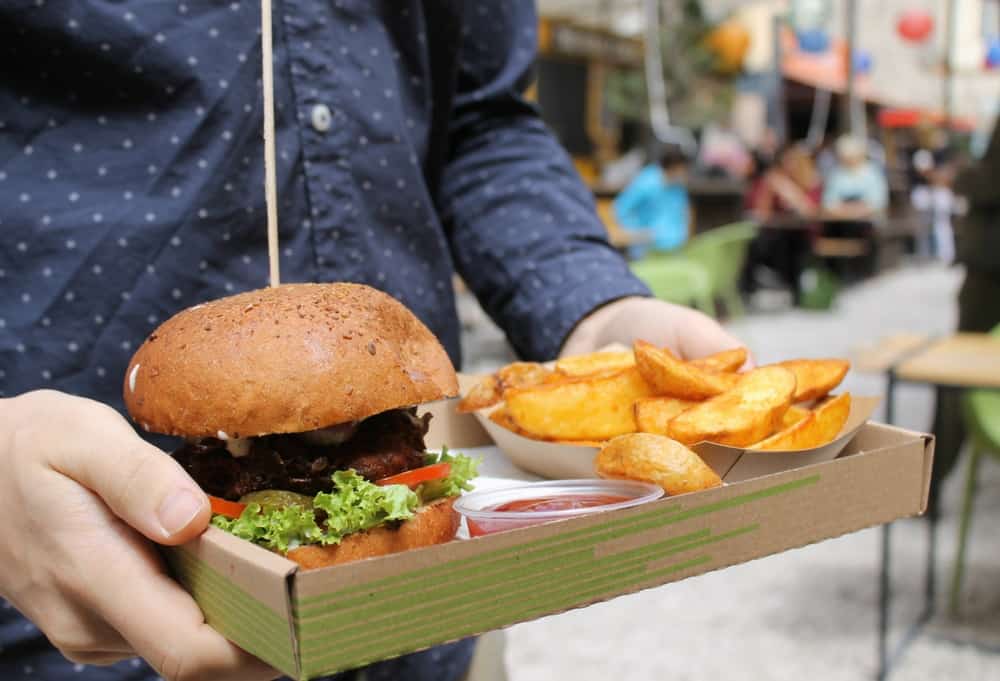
x=297 y=405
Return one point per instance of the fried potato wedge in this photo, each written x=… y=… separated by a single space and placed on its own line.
x=523 y=375
x=723 y=362
x=816 y=377
x=595 y=407
x=595 y=363
x=501 y=417
x=742 y=416
x=671 y=377
x=653 y=414
x=815 y=430
x=484 y=394
x=656 y=459
x=794 y=414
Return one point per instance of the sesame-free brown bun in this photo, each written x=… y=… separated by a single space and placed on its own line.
x=287 y=359
x=433 y=524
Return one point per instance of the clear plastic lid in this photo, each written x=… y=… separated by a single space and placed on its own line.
x=527 y=504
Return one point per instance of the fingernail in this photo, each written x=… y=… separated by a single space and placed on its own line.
x=178 y=510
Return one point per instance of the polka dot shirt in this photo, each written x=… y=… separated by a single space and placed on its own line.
x=131 y=177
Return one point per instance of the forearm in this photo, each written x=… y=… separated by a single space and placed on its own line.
x=525 y=235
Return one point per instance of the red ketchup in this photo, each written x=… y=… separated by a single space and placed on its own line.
x=541 y=505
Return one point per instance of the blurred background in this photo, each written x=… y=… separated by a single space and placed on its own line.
x=820 y=175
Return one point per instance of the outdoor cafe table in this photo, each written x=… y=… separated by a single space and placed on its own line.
x=963 y=361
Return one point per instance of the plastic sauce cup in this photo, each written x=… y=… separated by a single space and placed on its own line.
x=509 y=508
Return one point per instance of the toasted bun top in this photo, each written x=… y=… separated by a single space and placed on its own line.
x=283 y=360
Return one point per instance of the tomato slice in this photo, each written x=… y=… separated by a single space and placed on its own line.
x=417 y=476
x=230 y=509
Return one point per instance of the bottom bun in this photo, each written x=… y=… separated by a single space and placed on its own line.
x=435 y=523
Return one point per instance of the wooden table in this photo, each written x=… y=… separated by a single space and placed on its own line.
x=962 y=360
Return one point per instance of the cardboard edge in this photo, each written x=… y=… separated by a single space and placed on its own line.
x=929 y=444
x=277 y=565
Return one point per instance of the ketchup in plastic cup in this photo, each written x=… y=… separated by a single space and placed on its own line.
x=535 y=503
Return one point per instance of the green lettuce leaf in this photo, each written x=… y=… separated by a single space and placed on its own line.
x=463 y=470
x=279 y=529
x=356 y=504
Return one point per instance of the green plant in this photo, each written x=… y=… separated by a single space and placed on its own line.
x=696 y=93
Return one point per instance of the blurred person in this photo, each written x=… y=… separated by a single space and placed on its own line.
x=791 y=187
x=130 y=152
x=932 y=171
x=978 y=249
x=938 y=204
x=657 y=201
x=855 y=189
x=787 y=197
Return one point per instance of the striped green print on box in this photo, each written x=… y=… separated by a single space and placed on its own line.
x=233 y=612
x=466 y=596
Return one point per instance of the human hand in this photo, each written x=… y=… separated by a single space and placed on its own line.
x=687 y=332
x=80 y=496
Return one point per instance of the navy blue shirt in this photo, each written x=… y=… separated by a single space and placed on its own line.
x=131 y=177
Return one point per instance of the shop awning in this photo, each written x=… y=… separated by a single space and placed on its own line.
x=827 y=71
x=912 y=118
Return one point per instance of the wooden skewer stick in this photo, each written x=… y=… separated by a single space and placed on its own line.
x=270 y=176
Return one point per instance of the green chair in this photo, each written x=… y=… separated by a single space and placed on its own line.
x=722 y=252
x=676 y=280
x=982 y=416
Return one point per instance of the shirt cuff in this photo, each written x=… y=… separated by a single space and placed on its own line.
x=558 y=294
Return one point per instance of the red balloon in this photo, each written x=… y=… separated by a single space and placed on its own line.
x=916 y=25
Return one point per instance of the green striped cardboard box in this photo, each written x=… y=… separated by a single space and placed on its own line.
x=306 y=623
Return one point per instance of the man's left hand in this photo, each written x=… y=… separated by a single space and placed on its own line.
x=688 y=333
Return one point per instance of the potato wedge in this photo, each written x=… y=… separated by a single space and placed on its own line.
x=484 y=394
x=595 y=363
x=815 y=430
x=816 y=377
x=653 y=414
x=671 y=377
x=501 y=417
x=742 y=416
x=591 y=408
x=656 y=459
x=794 y=414
x=523 y=375
x=723 y=362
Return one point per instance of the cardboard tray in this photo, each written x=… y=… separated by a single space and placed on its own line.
x=305 y=623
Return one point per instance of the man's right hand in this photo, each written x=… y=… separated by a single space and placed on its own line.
x=81 y=499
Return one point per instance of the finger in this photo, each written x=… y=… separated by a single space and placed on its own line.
x=699 y=336
x=163 y=623
x=142 y=485
x=97 y=658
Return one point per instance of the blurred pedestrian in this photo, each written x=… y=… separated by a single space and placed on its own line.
x=856 y=188
x=657 y=200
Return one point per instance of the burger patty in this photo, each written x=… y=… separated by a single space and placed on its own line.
x=385 y=444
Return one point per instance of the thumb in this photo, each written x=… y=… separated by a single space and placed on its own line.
x=141 y=484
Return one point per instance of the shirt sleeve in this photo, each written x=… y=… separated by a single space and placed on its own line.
x=522 y=226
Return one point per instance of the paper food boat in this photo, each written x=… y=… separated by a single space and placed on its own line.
x=557 y=460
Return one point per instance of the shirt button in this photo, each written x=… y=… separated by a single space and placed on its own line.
x=321 y=117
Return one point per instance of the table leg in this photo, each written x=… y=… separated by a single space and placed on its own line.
x=885 y=659
x=884 y=586
x=883 y=606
